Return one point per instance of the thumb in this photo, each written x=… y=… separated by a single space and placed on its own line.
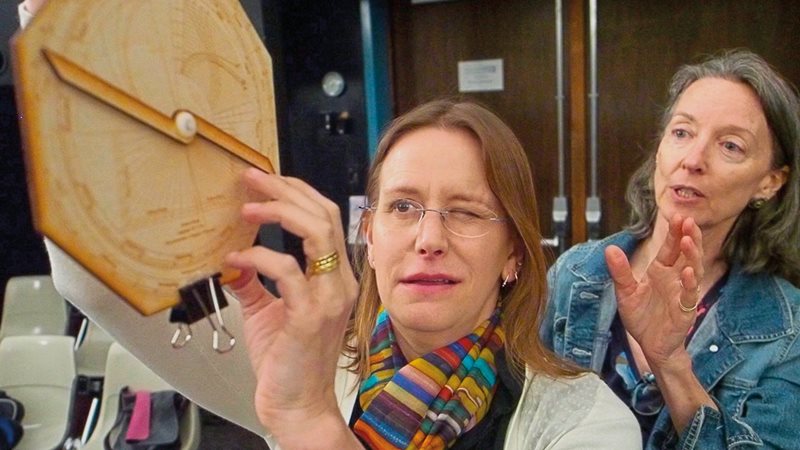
x=620 y=269
x=247 y=288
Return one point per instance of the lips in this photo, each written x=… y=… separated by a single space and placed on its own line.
x=686 y=192
x=433 y=279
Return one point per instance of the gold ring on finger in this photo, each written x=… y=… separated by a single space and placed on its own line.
x=688 y=309
x=323 y=264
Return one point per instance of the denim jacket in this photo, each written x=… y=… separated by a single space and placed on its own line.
x=745 y=353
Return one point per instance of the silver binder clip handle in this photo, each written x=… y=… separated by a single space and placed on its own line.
x=218 y=313
x=181 y=336
x=215 y=340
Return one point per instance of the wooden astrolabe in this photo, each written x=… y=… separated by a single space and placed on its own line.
x=138 y=118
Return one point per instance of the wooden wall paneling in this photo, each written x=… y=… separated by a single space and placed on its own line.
x=428 y=40
x=642 y=43
x=578 y=148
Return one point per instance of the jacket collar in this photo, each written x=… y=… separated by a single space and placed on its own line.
x=592 y=267
x=753 y=307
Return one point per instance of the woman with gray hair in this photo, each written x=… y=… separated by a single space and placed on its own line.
x=711 y=360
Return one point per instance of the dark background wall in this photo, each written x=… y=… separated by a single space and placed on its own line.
x=313 y=38
x=21 y=249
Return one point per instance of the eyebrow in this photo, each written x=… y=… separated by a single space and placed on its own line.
x=727 y=128
x=413 y=192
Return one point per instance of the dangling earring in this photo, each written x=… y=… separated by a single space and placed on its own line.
x=505 y=281
x=757 y=203
x=508 y=277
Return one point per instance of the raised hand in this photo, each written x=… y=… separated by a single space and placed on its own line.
x=659 y=309
x=295 y=339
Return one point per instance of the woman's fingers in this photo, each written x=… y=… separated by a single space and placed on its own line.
x=298 y=209
x=318 y=234
x=279 y=267
x=248 y=288
x=620 y=269
x=670 y=250
x=301 y=210
x=692 y=247
x=690 y=292
x=334 y=215
x=692 y=273
x=331 y=209
x=309 y=295
x=285 y=190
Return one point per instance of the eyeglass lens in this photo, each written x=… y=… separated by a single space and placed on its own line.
x=461 y=222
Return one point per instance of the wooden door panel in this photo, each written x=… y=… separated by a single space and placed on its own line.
x=428 y=41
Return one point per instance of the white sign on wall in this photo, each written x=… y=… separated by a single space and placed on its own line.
x=480 y=75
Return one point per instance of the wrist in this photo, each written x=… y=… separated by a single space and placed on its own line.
x=320 y=431
x=676 y=365
x=680 y=388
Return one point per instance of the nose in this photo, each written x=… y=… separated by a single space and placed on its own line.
x=694 y=160
x=432 y=236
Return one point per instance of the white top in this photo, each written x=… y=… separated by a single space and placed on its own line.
x=576 y=413
x=565 y=413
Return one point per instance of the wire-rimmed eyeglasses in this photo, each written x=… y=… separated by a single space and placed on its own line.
x=463 y=222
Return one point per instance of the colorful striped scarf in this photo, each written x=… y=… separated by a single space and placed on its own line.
x=429 y=402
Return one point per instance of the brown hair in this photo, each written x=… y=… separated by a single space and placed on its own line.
x=509 y=176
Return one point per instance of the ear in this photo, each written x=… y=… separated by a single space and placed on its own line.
x=366 y=228
x=514 y=261
x=773 y=182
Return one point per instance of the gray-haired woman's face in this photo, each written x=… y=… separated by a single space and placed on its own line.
x=715 y=155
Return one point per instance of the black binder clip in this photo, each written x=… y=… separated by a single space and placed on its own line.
x=199 y=300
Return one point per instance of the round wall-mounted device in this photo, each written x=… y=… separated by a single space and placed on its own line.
x=333 y=84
